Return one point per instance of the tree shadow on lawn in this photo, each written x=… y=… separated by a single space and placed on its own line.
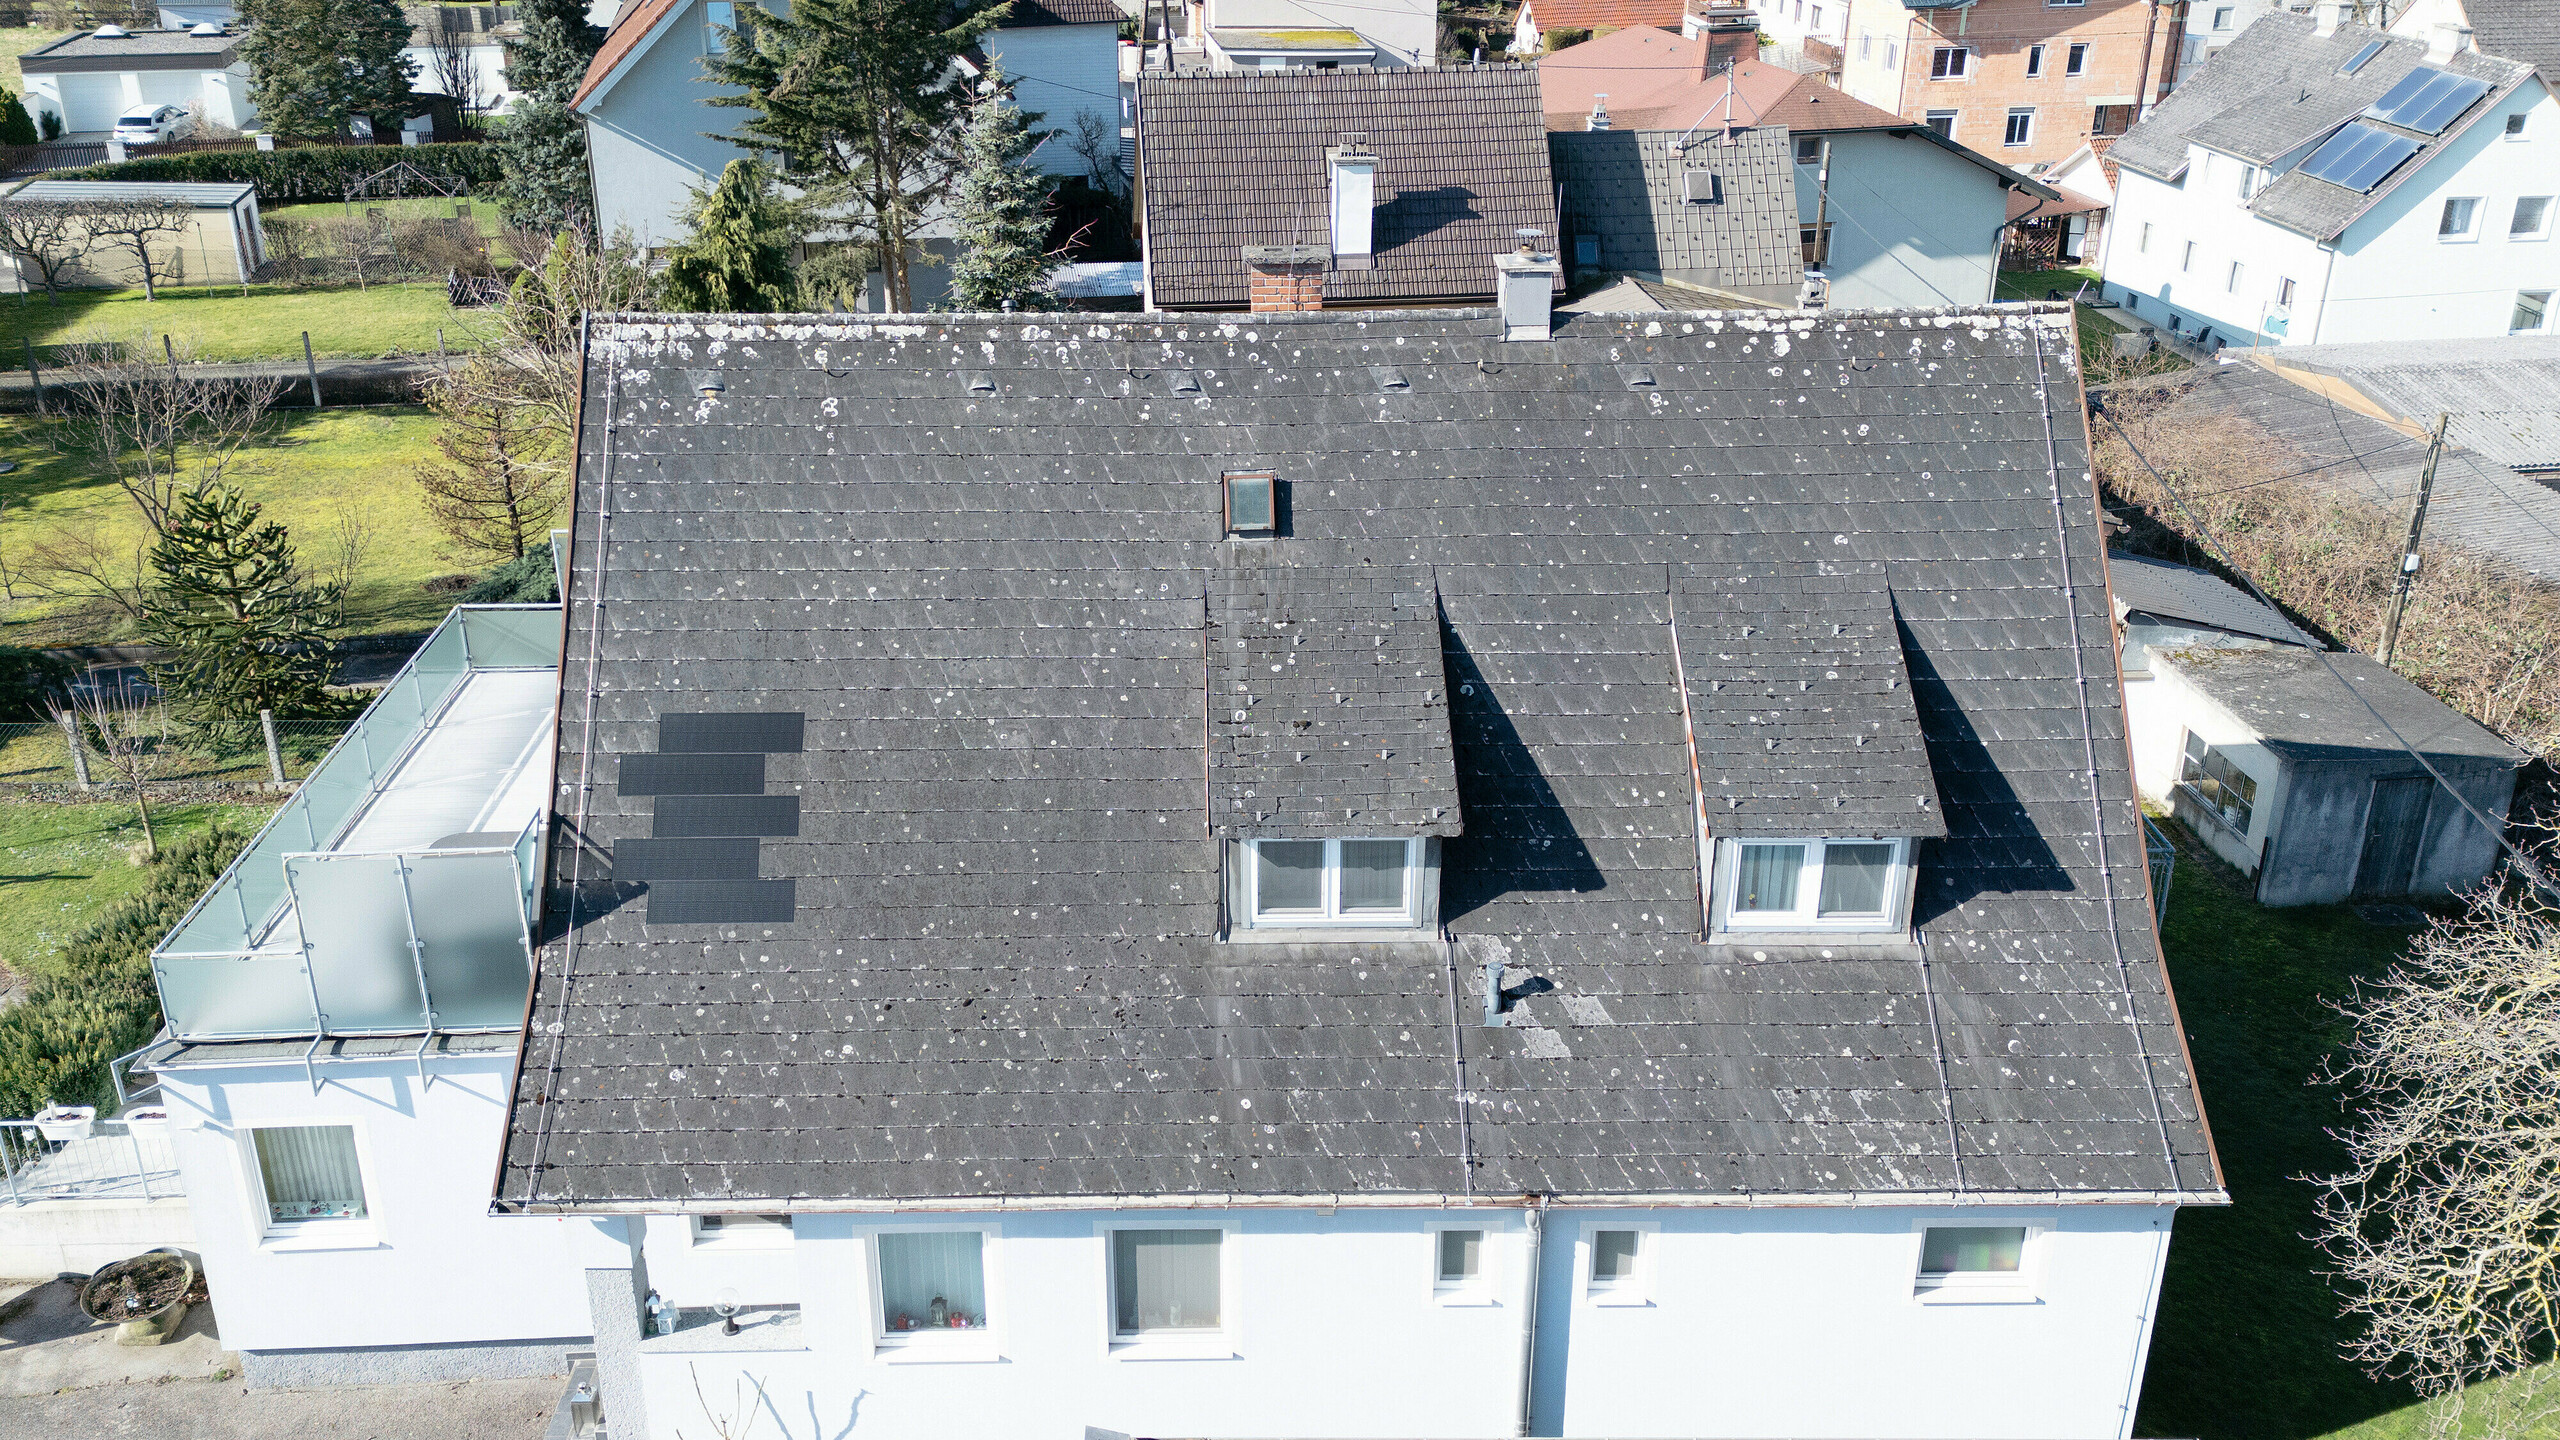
x=2247 y=1346
x=47 y=324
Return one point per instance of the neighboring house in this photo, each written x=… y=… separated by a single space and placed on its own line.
x=651 y=126
x=2288 y=763
x=2526 y=30
x=1804 y=35
x=1307 y=34
x=2212 y=24
x=91 y=78
x=2501 y=396
x=2086 y=180
x=1891 y=212
x=1717 y=213
x=2322 y=182
x=481 y=33
x=1390 y=187
x=2025 y=81
x=224 y=243
x=1530 y=27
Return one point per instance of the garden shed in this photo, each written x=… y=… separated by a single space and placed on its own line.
x=224 y=244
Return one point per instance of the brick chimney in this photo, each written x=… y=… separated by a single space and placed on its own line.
x=1733 y=36
x=1286 y=277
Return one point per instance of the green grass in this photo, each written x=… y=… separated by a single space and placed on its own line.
x=484 y=213
x=60 y=865
x=2096 y=332
x=2247 y=1346
x=264 y=322
x=309 y=469
x=17 y=40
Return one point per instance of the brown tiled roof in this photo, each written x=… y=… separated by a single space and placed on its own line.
x=1595 y=14
x=1657 y=81
x=1235 y=158
x=629 y=29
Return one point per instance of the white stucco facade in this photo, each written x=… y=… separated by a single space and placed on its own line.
x=2161 y=709
x=1792 y=22
x=90 y=100
x=1911 y=224
x=2389 y=276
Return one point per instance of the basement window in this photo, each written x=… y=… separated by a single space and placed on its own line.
x=1252 y=502
x=1813 y=884
x=1333 y=882
x=743 y=1232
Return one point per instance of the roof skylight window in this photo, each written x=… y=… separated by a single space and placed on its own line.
x=2371 y=49
x=1253 y=506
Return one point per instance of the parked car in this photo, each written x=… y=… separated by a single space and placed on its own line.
x=151 y=124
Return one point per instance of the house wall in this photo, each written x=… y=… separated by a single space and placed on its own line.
x=2155 y=279
x=433 y=1270
x=1792 y=22
x=2212 y=24
x=1062 y=71
x=1754 y=1322
x=2312 y=857
x=1999 y=33
x=1911 y=225
x=649 y=139
x=2160 y=713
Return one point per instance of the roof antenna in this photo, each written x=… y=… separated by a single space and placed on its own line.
x=1681 y=145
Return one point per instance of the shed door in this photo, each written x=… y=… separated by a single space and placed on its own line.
x=2393 y=824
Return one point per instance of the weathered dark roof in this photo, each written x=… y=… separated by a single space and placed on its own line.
x=1625 y=188
x=1801 y=702
x=1002 y=977
x=2275 y=89
x=2502 y=392
x=2301 y=711
x=140 y=49
x=1328 y=704
x=1235 y=158
x=2182 y=592
x=2526 y=30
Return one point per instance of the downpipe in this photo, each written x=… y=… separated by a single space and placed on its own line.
x=1535 y=1215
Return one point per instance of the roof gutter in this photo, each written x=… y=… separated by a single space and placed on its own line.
x=966 y=1204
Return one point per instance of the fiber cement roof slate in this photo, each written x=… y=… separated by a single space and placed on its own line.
x=2502 y=392
x=2182 y=592
x=2302 y=711
x=1625 y=187
x=1003 y=980
x=2526 y=30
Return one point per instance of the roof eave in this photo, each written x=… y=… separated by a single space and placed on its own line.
x=1402 y=1200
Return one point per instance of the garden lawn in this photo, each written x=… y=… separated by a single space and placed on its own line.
x=262 y=322
x=60 y=865
x=484 y=213
x=311 y=469
x=17 y=40
x=2096 y=332
x=2247 y=1344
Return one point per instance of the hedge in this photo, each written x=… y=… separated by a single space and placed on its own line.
x=56 y=1044
x=310 y=172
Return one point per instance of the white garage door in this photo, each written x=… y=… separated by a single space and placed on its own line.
x=91 y=102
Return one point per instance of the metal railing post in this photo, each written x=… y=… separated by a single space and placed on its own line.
x=141 y=1171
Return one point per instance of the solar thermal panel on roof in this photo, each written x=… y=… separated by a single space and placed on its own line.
x=2371 y=49
x=2427 y=99
x=2358 y=157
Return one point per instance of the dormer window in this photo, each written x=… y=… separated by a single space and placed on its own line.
x=1294 y=883
x=1813 y=884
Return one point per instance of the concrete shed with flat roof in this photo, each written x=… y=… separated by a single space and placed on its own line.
x=223 y=244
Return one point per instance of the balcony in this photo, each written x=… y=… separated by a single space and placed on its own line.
x=395 y=893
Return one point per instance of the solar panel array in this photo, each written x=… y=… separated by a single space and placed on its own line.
x=2427 y=99
x=2358 y=156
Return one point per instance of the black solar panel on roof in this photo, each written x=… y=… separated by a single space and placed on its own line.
x=681 y=816
x=726 y=858
x=721 y=902
x=772 y=732
x=2358 y=157
x=691 y=775
x=2427 y=99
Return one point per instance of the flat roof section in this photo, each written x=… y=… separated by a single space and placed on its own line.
x=480 y=769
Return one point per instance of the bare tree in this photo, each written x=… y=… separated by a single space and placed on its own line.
x=1098 y=146
x=161 y=435
x=2445 y=1226
x=77 y=563
x=360 y=246
x=133 y=225
x=533 y=338
x=134 y=742
x=452 y=68
x=46 y=236
x=500 y=479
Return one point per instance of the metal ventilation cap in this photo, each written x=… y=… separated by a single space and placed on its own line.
x=1390 y=378
x=709 y=384
x=1183 y=382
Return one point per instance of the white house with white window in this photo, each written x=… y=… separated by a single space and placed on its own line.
x=2213 y=24
x=2323 y=182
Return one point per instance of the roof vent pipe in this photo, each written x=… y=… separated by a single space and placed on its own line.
x=1353 y=169
x=1525 y=281
x=1599 y=114
x=2448 y=39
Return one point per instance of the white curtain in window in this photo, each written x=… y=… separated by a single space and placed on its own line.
x=1853 y=878
x=933 y=1280
x=1165 y=1279
x=310 y=1172
x=1769 y=877
x=1288 y=875
x=1372 y=875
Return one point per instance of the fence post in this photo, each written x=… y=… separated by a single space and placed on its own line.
x=311 y=369
x=171 y=351
x=275 y=757
x=79 y=751
x=33 y=373
x=442 y=363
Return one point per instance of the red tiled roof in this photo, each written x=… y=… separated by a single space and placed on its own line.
x=1596 y=14
x=1655 y=80
x=629 y=29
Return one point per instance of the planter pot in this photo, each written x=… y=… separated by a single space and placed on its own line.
x=151 y=1124
x=155 y=1328
x=61 y=1123
x=145 y=1297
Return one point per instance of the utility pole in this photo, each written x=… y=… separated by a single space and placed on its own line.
x=2409 y=550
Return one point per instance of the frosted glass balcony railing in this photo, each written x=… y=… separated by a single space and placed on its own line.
x=394 y=894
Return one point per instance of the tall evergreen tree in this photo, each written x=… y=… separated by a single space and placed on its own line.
x=861 y=98
x=739 y=255
x=545 y=185
x=315 y=64
x=500 y=480
x=16 y=126
x=247 y=629
x=1001 y=208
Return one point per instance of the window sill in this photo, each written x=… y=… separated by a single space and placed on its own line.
x=1617 y=1300
x=1333 y=935
x=1929 y=1294
x=349 y=1235
x=1466 y=1297
x=737 y=1243
x=1204 y=1347
x=972 y=1348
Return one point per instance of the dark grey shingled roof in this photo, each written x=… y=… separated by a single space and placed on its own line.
x=1003 y=980
x=2275 y=89
x=1625 y=188
x=1236 y=158
x=141 y=49
x=2526 y=30
x=2182 y=592
x=2302 y=712
x=1328 y=704
x=1801 y=702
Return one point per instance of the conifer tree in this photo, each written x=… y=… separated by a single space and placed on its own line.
x=545 y=186
x=739 y=255
x=247 y=629
x=1002 y=208
x=315 y=64
x=500 y=480
x=16 y=126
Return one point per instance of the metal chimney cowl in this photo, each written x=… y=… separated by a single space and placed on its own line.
x=1351 y=170
x=1525 y=281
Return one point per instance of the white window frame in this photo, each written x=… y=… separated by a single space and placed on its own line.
x=1963 y=66
x=2284 y=291
x=1486 y=1287
x=1893 y=55
x=2023 y=1287
x=1218 y=1344
x=2549 y=204
x=1893 y=919
x=760 y=1237
x=1636 y=1291
x=2035 y=61
x=1866 y=45
x=2517 y=124
x=2009 y=125
x=711 y=41
x=2542 y=329
x=2142 y=242
x=983 y=1345
x=2075 y=59
x=363 y=1232
x=2064 y=4
x=1953 y=118
x=2232 y=278
x=1333 y=917
x=2470 y=230
x=2187 y=259
x=2222 y=18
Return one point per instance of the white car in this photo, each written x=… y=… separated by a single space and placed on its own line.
x=151 y=124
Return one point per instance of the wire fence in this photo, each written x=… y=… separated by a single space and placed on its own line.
x=39 y=755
